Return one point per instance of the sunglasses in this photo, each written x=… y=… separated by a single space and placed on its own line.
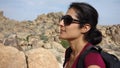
x=67 y=19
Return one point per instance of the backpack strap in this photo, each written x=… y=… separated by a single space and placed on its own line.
x=88 y=50
x=67 y=55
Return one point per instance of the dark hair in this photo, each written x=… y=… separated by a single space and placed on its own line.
x=88 y=15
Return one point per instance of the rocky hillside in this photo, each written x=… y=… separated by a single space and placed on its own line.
x=43 y=33
x=111 y=39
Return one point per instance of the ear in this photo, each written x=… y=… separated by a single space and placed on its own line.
x=85 y=28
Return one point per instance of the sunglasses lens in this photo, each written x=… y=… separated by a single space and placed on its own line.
x=67 y=19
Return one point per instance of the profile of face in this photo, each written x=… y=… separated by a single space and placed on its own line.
x=70 y=27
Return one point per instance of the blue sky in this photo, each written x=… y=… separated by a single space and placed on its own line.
x=109 y=10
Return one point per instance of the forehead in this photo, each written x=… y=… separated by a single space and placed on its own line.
x=71 y=12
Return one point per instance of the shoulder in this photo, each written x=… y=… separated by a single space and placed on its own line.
x=94 y=58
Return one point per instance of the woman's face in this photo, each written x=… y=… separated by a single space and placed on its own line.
x=71 y=31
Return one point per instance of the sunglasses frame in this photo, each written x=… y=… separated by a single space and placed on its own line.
x=67 y=19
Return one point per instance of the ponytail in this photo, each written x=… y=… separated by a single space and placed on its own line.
x=94 y=36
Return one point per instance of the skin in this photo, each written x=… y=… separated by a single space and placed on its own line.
x=75 y=37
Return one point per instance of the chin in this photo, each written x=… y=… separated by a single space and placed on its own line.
x=61 y=37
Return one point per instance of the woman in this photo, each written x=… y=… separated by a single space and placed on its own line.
x=78 y=27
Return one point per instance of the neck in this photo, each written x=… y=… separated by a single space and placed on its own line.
x=77 y=45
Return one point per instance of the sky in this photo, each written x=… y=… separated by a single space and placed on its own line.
x=109 y=10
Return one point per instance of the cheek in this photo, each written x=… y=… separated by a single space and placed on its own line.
x=74 y=33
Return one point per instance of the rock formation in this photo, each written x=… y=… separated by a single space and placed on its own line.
x=41 y=58
x=11 y=57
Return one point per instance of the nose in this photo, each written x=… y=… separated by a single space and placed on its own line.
x=61 y=23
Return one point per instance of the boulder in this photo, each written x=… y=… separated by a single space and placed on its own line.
x=10 y=57
x=41 y=58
